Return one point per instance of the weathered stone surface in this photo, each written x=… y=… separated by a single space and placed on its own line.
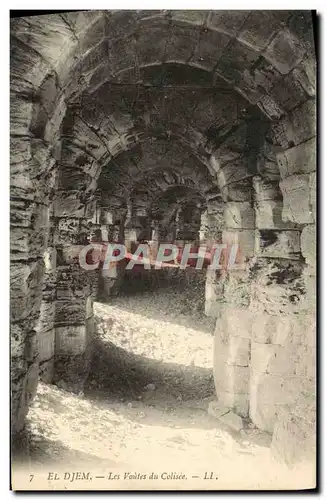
x=46 y=340
x=191 y=16
x=67 y=230
x=232 y=172
x=236 y=58
x=284 y=52
x=23 y=389
x=50 y=260
x=258 y=29
x=282 y=329
x=21 y=110
x=28 y=69
x=70 y=254
x=214 y=294
x=216 y=409
x=267 y=168
x=270 y=107
x=294 y=436
x=232 y=420
x=32 y=170
x=305 y=74
x=290 y=92
x=224 y=414
x=51 y=37
x=238 y=403
x=52 y=128
x=300 y=159
x=265 y=399
x=278 y=285
x=25 y=284
x=309 y=277
x=308 y=244
x=275 y=243
x=270 y=393
x=237 y=289
x=244 y=238
x=313 y=194
x=235 y=322
x=231 y=378
x=68 y=312
x=73 y=283
x=46 y=371
x=28 y=242
x=18 y=337
x=269 y=358
x=84 y=145
x=302 y=123
x=210 y=48
x=239 y=216
x=266 y=190
x=71 y=340
x=235 y=351
x=71 y=371
x=228 y=21
x=46 y=316
x=237 y=191
x=269 y=215
x=305 y=362
x=68 y=204
x=296 y=206
x=310 y=331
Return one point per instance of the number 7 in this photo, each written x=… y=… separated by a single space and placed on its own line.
x=31 y=478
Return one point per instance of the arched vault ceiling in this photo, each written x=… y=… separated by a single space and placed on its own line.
x=154 y=166
x=259 y=53
x=117 y=118
x=175 y=196
x=208 y=80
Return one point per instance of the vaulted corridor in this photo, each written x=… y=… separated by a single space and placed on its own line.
x=183 y=127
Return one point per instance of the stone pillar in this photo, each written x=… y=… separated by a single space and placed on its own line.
x=233 y=325
x=74 y=325
x=76 y=289
x=294 y=420
x=212 y=224
x=110 y=279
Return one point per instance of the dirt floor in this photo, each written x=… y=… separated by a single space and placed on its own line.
x=144 y=408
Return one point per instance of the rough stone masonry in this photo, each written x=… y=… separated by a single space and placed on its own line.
x=174 y=126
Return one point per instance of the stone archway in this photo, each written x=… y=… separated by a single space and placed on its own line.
x=226 y=100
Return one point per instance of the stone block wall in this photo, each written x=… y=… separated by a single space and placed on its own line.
x=265 y=352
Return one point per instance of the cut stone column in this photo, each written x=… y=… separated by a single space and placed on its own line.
x=282 y=365
x=110 y=279
x=74 y=325
x=232 y=358
x=75 y=290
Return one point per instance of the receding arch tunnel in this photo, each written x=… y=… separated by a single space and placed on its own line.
x=122 y=120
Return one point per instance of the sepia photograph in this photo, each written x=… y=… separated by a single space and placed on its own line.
x=163 y=250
